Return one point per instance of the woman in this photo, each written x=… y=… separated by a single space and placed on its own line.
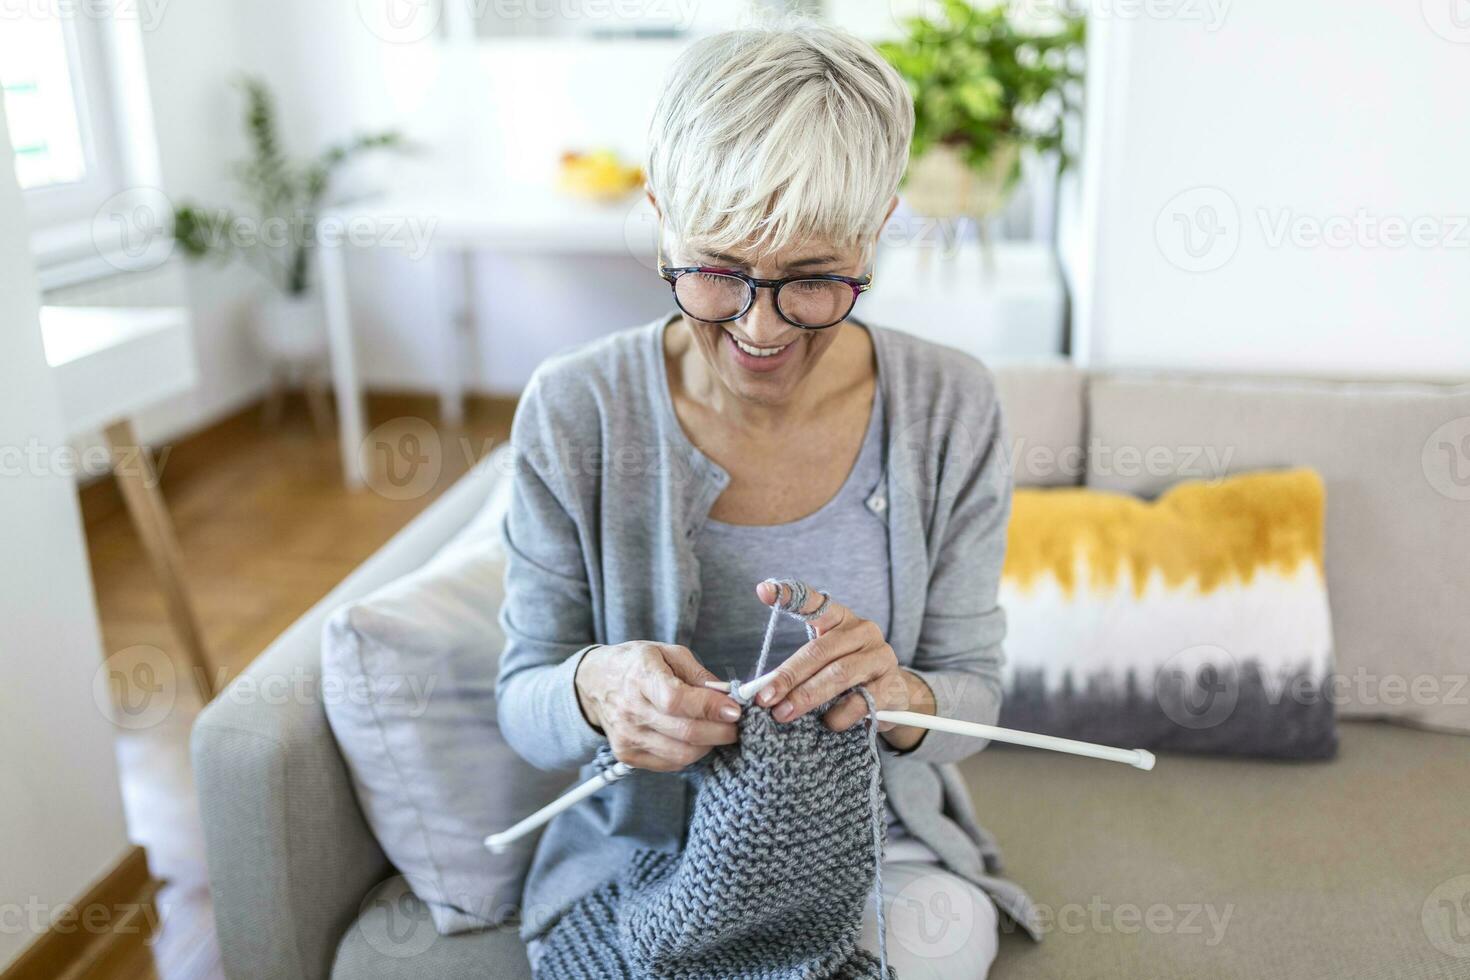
x=666 y=471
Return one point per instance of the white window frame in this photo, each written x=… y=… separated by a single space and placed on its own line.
x=109 y=86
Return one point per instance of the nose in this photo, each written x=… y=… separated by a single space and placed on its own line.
x=761 y=324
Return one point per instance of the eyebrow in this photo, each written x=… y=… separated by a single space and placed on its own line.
x=806 y=263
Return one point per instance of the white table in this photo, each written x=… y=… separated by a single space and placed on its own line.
x=110 y=363
x=463 y=223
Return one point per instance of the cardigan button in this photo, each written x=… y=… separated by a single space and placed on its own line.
x=878 y=503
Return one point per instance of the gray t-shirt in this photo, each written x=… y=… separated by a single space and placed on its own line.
x=841 y=547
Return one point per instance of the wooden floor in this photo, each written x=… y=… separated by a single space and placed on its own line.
x=266 y=529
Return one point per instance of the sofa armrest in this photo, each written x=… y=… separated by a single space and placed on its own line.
x=291 y=858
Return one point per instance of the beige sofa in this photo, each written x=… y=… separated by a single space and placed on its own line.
x=1358 y=867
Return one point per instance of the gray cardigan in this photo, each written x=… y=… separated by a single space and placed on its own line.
x=607 y=499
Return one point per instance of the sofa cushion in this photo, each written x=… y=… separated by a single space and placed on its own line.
x=395 y=939
x=1196 y=622
x=1396 y=462
x=1229 y=868
x=1043 y=404
x=409 y=686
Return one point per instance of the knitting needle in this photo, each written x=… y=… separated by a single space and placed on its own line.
x=1137 y=758
x=501 y=842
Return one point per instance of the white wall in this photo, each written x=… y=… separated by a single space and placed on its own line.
x=176 y=68
x=61 y=820
x=1344 y=116
x=479 y=125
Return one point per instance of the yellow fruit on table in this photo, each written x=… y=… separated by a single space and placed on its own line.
x=599 y=175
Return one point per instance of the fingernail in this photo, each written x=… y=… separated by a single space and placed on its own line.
x=767 y=696
x=784 y=712
x=730 y=713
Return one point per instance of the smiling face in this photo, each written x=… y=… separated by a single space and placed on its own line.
x=767 y=147
x=760 y=358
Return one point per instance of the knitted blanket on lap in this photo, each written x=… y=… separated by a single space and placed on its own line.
x=771 y=883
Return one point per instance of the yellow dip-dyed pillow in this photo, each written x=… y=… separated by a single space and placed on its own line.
x=1195 y=622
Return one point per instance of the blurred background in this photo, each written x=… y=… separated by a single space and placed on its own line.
x=279 y=251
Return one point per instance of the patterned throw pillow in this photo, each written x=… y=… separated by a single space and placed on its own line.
x=1196 y=622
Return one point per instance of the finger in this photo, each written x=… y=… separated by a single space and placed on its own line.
x=686 y=665
x=694 y=731
x=834 y=616
x=834 y=678
x=671 y=696
x=845 y=713
x=810 y=658
x=661 y=753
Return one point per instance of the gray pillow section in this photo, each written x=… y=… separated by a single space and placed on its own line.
x=1045 y=413
x=410 y=674
x=1396 y=462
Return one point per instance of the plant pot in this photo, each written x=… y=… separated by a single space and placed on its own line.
x=291 y=330
x=942 y=184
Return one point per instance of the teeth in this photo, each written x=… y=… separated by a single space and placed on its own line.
x=758 y=351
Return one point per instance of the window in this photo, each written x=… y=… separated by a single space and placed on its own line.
x=40 y=103
x=54 y=71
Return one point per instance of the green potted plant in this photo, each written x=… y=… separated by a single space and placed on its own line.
x=985 y=88
x=277 y=236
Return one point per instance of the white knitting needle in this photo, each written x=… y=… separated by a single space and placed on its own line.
x=1137 y=758
x=500 y=843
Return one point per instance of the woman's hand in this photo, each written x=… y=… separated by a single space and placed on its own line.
x=650 y=700
x=848 y=651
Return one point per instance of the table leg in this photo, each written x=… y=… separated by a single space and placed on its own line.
x=332 y=271
x=138 y=481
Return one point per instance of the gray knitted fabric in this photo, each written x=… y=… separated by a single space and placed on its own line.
x=771 y=883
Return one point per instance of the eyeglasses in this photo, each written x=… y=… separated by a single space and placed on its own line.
x=719 y=295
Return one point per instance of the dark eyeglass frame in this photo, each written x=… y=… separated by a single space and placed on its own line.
x=859 y=285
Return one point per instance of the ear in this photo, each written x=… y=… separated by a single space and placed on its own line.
x=654 y=201
x=892 y=206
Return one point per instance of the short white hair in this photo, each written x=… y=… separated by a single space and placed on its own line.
x=770 y=137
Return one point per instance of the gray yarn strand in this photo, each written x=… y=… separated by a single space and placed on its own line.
x=875 y=802
x=791 y=606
